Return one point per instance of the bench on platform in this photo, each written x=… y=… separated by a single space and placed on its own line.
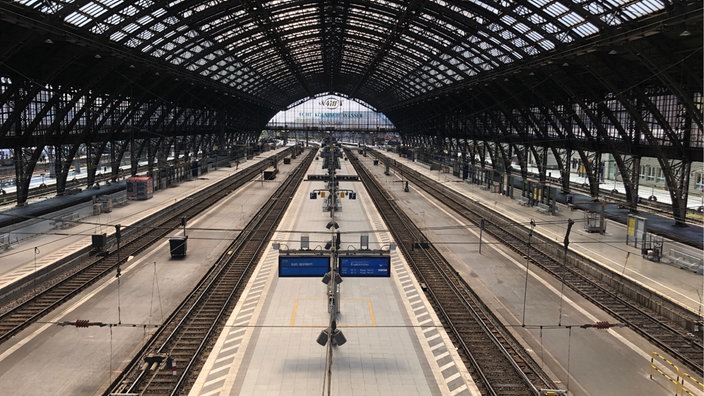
x=5 y=241
x=544 y=208
x=119 y=200
x=65 y=221
x=524 y=201
x=686 y=261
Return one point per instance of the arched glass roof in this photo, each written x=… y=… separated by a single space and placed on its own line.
x=381 y=51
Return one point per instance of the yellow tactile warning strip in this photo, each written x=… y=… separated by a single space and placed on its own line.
x=442 y=356
x=238 y=326
x=450 y=374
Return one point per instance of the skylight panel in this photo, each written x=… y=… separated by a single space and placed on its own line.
x=293 y=14
x=586 y=29
x=129 y=10
x=30 y=3
x=640 y=9
x=595 y=8
x=556 y=9
x=47 y=7
x=145 y=20
x=369 y=25
x=77 y=19
x=131 y=28
x=114 y=19
x=158 y=13
x=145 y=35
x=92 y=9
x=507 y=34
x=570 y=19
x=508 y=19
x=144 y=3
x=118 y=36
x=547 y=44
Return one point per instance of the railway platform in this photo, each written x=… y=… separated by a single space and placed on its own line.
x=47 y=358
x=60 y=228
x=395 y=343
x=669 y=277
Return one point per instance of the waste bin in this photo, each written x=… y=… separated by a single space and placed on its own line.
x=178 y=246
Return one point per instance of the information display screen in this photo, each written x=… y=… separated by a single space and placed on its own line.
x=370 y=266
x=293 y=266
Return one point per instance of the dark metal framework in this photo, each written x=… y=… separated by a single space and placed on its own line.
x=582 y=78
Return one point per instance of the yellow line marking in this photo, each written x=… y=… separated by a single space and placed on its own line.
x=369 y=304
x=371 y=312
x=293 y=314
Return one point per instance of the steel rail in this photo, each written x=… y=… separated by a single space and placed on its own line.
x=74 y=277
x=499 y=364
x=189 y=332
x=576 y=272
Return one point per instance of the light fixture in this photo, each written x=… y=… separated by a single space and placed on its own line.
x=565 y=64
x=49 y=41
x=613 y=52
x=131 y=66
x=685 y=33
x=97 y=56
x=331 y=332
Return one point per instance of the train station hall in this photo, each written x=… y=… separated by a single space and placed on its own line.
x=352 y=197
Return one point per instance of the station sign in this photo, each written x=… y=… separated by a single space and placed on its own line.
x=303 y=266
x=365 y=266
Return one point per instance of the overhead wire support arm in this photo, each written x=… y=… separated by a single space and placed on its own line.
x=83 y=323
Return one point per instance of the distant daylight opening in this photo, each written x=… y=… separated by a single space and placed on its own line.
x=331 y=112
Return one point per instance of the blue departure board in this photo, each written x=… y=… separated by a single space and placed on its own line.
x=293 y=266
x=361 y=266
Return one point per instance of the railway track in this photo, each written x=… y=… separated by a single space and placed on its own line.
x=497 y=361
x=72 y=278
x=576 y=273
x=188 y=334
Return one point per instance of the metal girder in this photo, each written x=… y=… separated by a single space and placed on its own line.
x=25 y=162
x=677 y=177
x=63 y=160
x=525 y=74
x=629 y=168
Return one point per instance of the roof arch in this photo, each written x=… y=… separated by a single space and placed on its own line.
x=617 y=76
x=384 y=51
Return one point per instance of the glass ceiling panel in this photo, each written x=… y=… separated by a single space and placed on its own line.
x=208 y=37
x=642 y=8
